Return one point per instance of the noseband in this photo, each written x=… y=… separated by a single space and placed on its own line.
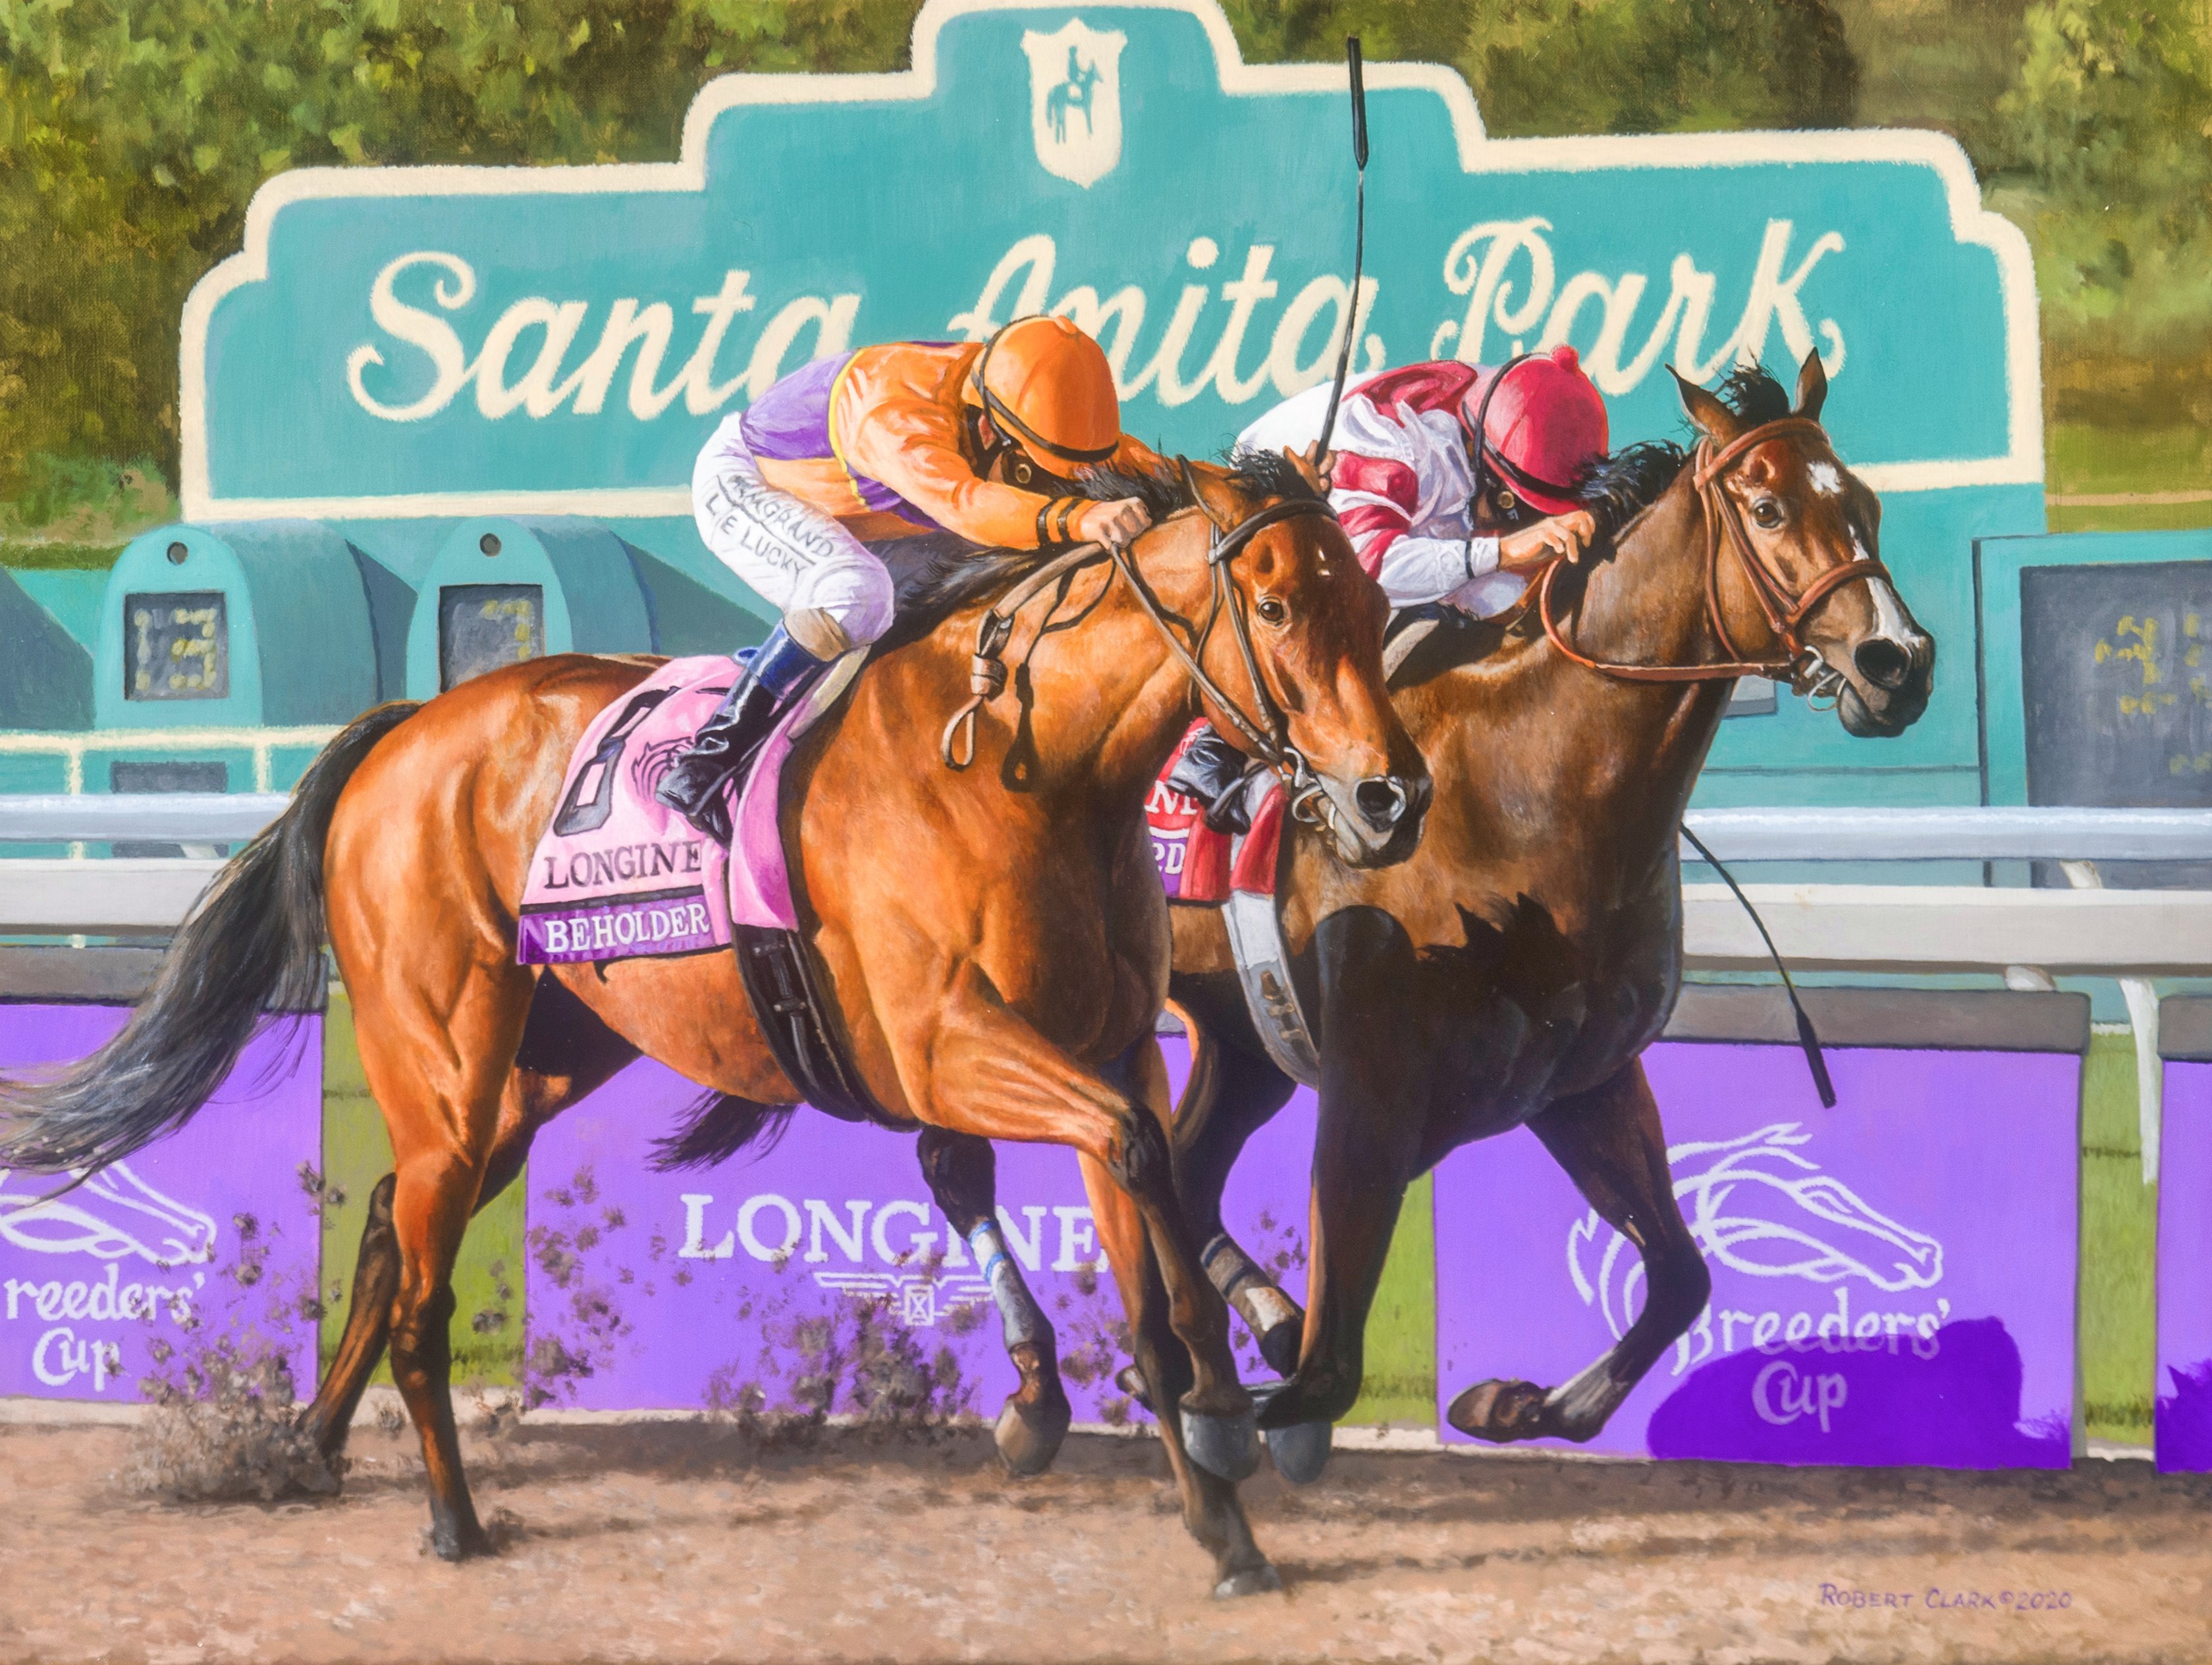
x=1786 y=610
x=986 y=671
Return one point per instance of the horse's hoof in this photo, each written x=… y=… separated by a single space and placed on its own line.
x=1279 y=1347
x=1226 y=1446
x=1300 y=1451
x=1499 y=1412
x=1253 y=1581
x=1131 y=1381
x=1029 y=1438
x=454 y=1544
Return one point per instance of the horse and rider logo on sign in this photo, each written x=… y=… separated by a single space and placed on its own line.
x=1075 y=100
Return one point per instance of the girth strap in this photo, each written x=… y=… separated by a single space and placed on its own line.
x=776 y=968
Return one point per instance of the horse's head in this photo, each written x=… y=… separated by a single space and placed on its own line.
x=1814 y=528
x=1314 y=621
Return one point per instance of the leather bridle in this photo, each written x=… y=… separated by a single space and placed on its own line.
x=1265 y=728
x=1785 y=610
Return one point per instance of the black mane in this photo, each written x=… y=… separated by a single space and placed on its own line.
x=1621 y=484
x=934 y=574
x=1617 y=487
x=1754 y=395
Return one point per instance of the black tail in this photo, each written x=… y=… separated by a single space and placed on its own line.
x=717 y=1127
x=253 y=943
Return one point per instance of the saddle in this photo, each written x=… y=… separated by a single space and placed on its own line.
x=619 y=875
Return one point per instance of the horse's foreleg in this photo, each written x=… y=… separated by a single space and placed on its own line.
x=962 y=1173
x=1211 y=1510
x=981 y=1069
x=1374 y=1094
x=1209 y=1134
x=1611 y=1144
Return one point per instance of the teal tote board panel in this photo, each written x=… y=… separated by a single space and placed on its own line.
x=419 y=344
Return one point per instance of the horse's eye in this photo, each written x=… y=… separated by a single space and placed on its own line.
x=1272 y=609
x=1767 y=511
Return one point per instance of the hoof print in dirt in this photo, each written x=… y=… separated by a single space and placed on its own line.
x=1261 y=1580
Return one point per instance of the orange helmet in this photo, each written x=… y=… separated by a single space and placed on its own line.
x=1047 y=387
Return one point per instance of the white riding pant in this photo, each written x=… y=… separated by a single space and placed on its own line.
x=794 y=555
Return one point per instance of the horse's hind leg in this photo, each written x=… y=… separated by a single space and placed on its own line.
x=1611 y=1144
x=566 y=1053
x=438 y=1060
x=962 y=1173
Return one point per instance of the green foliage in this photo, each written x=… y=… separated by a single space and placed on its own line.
x=1658 y=66
x=132 y=138
x=2111 y=114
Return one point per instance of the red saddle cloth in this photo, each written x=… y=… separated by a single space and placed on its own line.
x=1196 y=863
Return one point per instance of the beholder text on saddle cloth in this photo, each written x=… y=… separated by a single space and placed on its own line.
x=631 y=878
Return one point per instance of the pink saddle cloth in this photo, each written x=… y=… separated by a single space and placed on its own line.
x=629 y=877
x=1196 y=863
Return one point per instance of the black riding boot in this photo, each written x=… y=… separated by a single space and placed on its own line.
x=781 y=670
x=1212 y=771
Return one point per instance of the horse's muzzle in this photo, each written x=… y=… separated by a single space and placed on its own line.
x=1378 y=821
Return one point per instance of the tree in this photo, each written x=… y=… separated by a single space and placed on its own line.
x=1658 y=66
x=2112 y=115
x=133 y=137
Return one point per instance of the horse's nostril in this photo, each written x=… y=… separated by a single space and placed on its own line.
x=1884 y=663
x=1383 y=798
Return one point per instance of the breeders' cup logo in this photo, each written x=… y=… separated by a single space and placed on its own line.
x=1757 y=1208
x=112 y=1215
x=1075 y=101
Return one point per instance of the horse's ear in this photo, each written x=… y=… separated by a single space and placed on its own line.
x=1209 y=490
x=1308 y=463
x=1811 y=387
x=1714 y=419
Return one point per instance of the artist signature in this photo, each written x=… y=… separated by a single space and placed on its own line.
x=1936 y=1598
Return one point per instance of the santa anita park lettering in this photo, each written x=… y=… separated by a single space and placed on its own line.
x=396 y=350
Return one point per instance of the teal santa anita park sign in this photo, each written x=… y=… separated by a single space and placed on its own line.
x=396 y=350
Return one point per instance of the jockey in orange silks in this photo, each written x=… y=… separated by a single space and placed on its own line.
x=984 y=439
x=1434 y=515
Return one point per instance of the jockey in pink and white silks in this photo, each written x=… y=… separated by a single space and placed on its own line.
x=1433 y=516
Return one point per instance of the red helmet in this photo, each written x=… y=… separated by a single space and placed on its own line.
x=1542 y=420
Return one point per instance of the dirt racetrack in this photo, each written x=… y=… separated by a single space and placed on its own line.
x=684 y=1541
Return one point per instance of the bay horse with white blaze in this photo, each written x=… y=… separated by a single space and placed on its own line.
x=993 y=939
x=1513 y=971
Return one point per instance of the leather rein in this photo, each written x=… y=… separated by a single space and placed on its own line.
x=986 y=671
x=1786 y=610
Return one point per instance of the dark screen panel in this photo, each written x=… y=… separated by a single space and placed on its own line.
x=2118 y=690
x=482 y=627
x=176 y=645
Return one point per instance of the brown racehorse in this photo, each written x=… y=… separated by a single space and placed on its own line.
x=1513 y=971
x=994 y=939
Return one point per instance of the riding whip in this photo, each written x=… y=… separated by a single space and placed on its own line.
x=1358 y=240
x=1806 y=1037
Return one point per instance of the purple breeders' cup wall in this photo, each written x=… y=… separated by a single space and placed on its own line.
x=1893 y=1280
x=206 y=1236
x=648 y=1290
x=2184 y=1271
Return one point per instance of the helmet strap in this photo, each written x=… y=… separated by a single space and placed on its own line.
x=1481 y=437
